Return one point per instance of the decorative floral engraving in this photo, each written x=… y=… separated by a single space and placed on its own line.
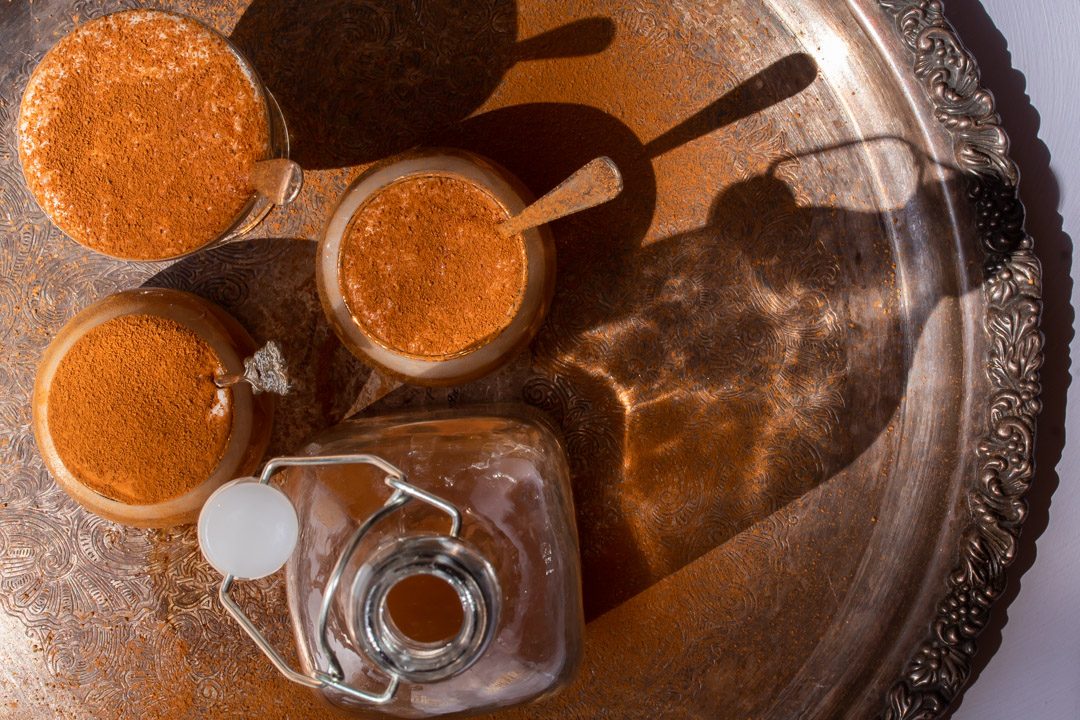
x=951 y=78
x=940 y=667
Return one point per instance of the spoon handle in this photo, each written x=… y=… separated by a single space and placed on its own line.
x=596 y=183
x=279 y=180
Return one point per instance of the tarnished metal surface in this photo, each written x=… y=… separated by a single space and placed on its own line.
x=795 y=363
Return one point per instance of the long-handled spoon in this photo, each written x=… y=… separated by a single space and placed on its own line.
x=596 y=183
x=279 y=180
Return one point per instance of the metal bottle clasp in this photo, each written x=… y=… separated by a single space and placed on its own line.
x=403 y=493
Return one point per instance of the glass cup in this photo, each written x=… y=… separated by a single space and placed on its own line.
x=512 y=195
x=252 y=414
x=276 y=180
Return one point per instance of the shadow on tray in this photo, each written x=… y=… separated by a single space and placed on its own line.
x=361 y=79
x=715 y=358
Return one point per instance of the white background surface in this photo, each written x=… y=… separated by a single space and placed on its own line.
x=1029 y=52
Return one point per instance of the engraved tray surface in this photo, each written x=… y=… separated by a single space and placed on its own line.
x=795 y=364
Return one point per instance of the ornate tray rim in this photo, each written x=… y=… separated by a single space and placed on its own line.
x=940 y=666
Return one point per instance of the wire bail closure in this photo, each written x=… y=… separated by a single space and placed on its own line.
x=404 y=493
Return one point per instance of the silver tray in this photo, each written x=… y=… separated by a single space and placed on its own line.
x=796 y=364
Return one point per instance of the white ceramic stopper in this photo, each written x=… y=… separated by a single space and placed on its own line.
x=247 y=529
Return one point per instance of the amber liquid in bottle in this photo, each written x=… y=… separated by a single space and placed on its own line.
x=425 y=608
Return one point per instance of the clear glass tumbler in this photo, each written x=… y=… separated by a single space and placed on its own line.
x=275 y=179
x=252 y=415
x=508 y=192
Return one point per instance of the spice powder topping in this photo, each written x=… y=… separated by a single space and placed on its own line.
x=133 y=410
x=138 y=133
x=424 y=271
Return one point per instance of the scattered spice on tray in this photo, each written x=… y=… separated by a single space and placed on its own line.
x=138 y=132
x=134 y=412
x=424 y=271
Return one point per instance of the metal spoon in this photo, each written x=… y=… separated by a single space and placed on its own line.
x=279 y=180
x=592 y=185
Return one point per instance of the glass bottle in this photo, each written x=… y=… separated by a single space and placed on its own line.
x=435 y=567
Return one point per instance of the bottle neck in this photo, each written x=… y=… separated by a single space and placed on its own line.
x=448 y=559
